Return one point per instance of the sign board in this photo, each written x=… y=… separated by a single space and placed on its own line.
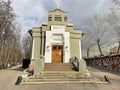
x=57 y=28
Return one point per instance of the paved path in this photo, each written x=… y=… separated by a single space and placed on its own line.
x=8 y=78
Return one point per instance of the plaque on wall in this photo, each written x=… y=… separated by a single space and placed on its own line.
x=58 y=27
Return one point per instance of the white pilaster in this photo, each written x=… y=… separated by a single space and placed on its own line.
x=66 y=51
x=80 y=49
x=48 y=47
x=33 y=48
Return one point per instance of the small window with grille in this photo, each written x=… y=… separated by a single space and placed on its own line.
x=65 y=18
x=50 y=18
x=57 y=18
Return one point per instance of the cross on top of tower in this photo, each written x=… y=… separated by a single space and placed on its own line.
x=58 y=6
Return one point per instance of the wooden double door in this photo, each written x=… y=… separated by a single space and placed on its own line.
x=57 y=53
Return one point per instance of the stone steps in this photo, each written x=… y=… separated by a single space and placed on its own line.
x=60 y=77
x=60 y=73
x=58 y=67
x=58 y=80
x=64 y=82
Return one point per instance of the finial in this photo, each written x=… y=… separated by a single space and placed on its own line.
x=58 y=6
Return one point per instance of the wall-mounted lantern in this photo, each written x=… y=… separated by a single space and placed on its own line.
x=48 y=46
x=66 y=47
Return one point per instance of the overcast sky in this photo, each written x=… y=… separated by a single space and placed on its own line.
x=31 y=13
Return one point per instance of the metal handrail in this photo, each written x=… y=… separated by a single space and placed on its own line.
x=75 y=62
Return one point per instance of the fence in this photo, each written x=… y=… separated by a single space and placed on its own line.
x=5 y=66
x=111 y=62
x=8 y=65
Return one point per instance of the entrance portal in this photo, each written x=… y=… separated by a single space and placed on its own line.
x=57 y=53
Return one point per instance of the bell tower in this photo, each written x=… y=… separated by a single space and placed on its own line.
x=57 y=16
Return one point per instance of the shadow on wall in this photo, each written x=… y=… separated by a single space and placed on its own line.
x=25 y=63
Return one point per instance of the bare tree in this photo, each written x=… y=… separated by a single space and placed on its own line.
x=116 y=2
x=88 y=43
x=114 y=20
x=27 y=45
x=98 y=28
x=10 y=49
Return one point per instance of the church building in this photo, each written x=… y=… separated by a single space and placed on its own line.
x=56 y=40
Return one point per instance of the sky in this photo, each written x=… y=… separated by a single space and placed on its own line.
x=31 y=13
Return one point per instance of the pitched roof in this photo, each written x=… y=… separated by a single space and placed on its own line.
x=58 y=10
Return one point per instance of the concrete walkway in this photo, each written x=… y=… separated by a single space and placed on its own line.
x=8 y=78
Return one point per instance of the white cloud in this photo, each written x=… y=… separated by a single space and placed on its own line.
x=29 y=12
x=102 y=5
x=58 y=1
x=32 y=12
x=101 y=2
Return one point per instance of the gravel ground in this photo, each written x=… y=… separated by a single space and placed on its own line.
x=8 y=78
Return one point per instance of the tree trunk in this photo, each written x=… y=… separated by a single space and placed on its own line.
x=118 y=48
x=88 y=50
x=99 y=47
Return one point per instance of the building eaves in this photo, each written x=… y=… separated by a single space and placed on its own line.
x=58 y=10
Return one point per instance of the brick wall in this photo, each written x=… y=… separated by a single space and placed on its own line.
x=111 y=62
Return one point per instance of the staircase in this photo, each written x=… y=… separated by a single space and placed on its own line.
x=59 y=73
x=60 y=77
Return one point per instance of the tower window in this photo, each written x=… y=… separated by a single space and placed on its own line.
x=65 y=18
x=57 y=18
x=50 y=18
